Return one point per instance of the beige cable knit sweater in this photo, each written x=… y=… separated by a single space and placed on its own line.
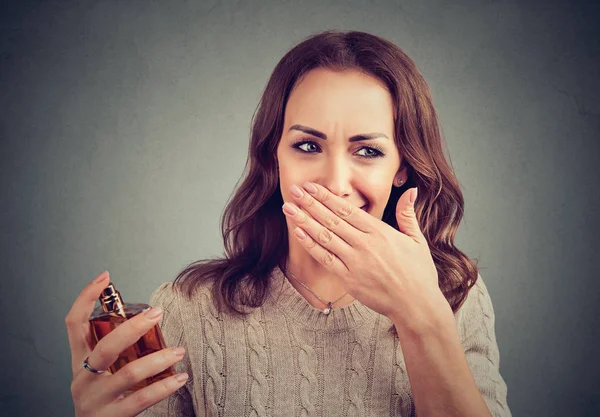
x=289 y=359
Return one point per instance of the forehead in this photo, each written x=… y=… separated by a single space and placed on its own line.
x=328 y=98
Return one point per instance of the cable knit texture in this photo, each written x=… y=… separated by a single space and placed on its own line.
x=287 y=358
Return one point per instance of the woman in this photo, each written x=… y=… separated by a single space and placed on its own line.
x=352 y=300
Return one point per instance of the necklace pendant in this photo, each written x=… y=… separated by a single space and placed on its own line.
x=328 y=309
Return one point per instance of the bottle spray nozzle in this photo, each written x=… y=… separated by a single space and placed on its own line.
x=112 y=302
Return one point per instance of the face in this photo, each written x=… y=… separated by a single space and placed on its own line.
x=325 y=117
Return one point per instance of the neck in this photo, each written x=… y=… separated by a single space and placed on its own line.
x=315 y=276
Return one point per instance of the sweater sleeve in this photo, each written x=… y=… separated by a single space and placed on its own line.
x=178 y=404
x=476 y=321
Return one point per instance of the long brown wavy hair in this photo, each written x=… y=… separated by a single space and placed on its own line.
x=253 y=226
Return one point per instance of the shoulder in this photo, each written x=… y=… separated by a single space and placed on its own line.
x=478 y=298
x=476 y=309
x=476 y=321
x=183 y=317
x=163 y=296
x=173 y=298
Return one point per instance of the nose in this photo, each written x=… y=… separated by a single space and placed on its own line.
x=338 y=177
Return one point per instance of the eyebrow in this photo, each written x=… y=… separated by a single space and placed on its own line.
x=321 y=135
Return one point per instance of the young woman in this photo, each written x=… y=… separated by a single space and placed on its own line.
x=351 y=299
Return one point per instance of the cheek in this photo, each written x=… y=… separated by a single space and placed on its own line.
x=287 y=178
x=376 y=190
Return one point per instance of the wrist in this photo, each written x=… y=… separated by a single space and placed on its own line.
x=424 y=318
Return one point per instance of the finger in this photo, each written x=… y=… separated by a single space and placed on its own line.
x=322 y=255
x=135 y=403
x=354 y=216
x=138 y=370
x=330 y=219
x=122 y=337
x=77 y=320
x=406 y=217
x=319 y=233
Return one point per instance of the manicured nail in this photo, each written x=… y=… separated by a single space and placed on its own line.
x=300 y=233
x=153 y=313
x=289 y=209
x=179 y=351
x=182 y=377
x=413 y=195
x=101 y=277
x=296 y=191
x=310 y=187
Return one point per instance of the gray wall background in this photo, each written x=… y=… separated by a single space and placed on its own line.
x=124 y=127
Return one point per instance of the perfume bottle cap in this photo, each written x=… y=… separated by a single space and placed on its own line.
x=111 y=301
x=110 y=290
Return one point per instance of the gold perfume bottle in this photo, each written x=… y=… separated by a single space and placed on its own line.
x=111 y=313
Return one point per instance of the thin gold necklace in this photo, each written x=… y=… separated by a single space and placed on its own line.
x=329 y=304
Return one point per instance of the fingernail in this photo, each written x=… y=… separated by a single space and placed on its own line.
x=413 y=195
x=153 y=313
x=296 y=191
x=182 y=377
x=289 y=209
x=300 y=233
x=310 y=187
x=178 y=351
x=101 y=277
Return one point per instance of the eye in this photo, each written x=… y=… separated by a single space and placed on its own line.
x=299 y=145
x=373 y=151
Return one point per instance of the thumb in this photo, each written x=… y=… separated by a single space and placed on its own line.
x=406 y=217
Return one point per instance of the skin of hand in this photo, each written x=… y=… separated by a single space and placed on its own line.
x=392 y=272
x=102 y=394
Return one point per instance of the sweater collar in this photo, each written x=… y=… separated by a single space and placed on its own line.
x=296 y=308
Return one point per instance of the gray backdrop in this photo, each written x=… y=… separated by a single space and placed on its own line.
x=125 y=125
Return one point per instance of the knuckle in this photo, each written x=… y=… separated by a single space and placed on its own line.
x=100 y=352
x=322 y=196
x=310 y=202
x=75 y=391
x=327 y=258
x=167 y=355
x=346 y=211
x=310 y=243
x=129 y=373
x=409 y=214
x=85 y=404
x=143 y=399
x=302 y=218
x=84 y=407
x=372 y=230
x=325 y=236
x=332 y=221
x=169 y=383
x=69 y=320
